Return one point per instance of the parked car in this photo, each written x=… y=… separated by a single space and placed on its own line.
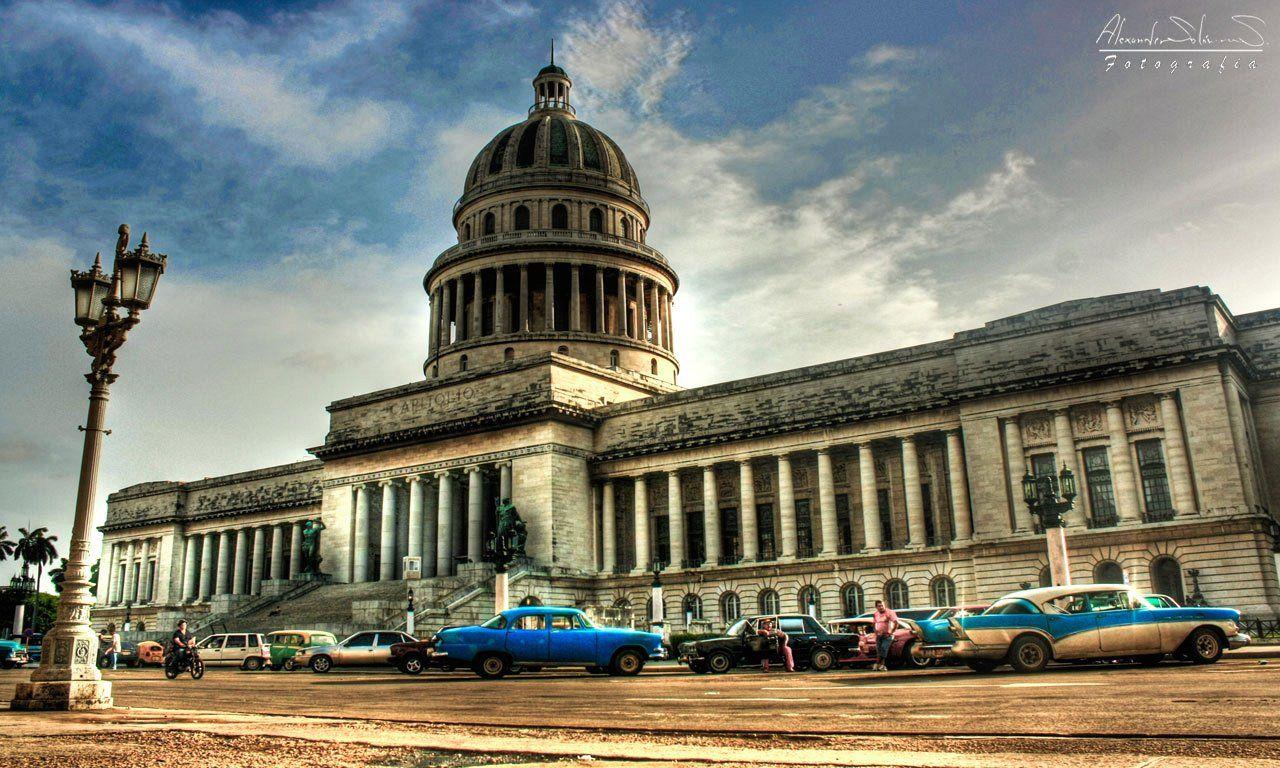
x=1161 y=601
x=935 y=631
x=127 y=656
x=13 y=654
x=539 y=636
x=150 y=654
x=284 y=644
x=904 y=651
x=361 y=649
x=413 y=658
x=915 y=614
x=1028 y=629
x=247 y=650
x=813 y=646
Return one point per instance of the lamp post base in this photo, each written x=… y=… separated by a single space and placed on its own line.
x=62 y=695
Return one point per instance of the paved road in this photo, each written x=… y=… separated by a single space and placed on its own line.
x=1231 y=698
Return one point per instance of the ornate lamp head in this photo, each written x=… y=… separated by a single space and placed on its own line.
x=91 y=291
x=1030 y=493
x=139 y=272
x=1067 y=483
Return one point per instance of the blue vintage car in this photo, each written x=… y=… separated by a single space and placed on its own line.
x=935 y=632
x=539 y=636
x=1028 y=629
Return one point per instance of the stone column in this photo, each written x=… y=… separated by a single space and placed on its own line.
x=433 y=325
x=239 y=580
x=643 y=558
x=1127 y=507
x=642 y=316
x=144 y=572
x=657 y=314
x=206 y=567
x=415 y=517
x=747 y=511
x=107 y=581
x=675 y=519
x=668 y=323
x=444 y=522
x=786 y=508
x=360 y=570
x=959 y=486
x=874 y=534
x=1017 y=468
x=575 y=298
x=259 y=560
x=1175 y=455
x=622 y=303
x=916 y=530
x=500 y=322
x=430 y=525
x=475 y=512
x=504 y=480
x=387 y=548
x=460 y=309
x=827 y=500
x=710 y=516
x=609 y=528
x=549 y=296
x=600 y=327
x=224 y=563
x=446 y=313
x=190 y=576
x=1239 y=438
x=277 y=552
x=477 y=303
x=295 y=549
x=524 y=297
x=1065 y=444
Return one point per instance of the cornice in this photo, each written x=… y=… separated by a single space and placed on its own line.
x=457 y=463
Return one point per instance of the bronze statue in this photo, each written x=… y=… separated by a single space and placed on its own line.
x=311 y=545
x=506 y=544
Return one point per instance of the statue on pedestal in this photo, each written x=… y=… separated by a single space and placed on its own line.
x=506 y=544
x=311 y=546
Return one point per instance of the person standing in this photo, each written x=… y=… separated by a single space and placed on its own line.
x=773 y=633
x=886 y=623
x=113 y=645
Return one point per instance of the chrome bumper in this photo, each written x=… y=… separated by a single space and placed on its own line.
x=660 y=654
x=1238 y=640
x=966 y=649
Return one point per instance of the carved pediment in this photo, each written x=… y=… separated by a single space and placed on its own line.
x=1089 y=420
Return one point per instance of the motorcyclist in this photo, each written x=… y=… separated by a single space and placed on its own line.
x=180 y=642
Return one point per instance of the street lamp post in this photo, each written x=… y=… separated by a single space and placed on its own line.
x=21 y=586
x=659 y=619
x=67 y=677
x=1049 y=498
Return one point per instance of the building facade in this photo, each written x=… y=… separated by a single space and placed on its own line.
x=550 y=379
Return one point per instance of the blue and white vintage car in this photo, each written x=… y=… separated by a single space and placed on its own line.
x=540 y=636
x=1028 y=629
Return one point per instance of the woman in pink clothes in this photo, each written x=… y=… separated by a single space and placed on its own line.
x=767 y=629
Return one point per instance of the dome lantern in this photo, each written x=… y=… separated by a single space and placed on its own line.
x=551 y=89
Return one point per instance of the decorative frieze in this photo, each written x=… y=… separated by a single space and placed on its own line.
x=1037 y=429
x=1142 y=413
x=1089 y=421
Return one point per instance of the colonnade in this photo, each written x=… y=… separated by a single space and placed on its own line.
x=426 y=516
x=132 y=568
x=493 y=301
x=784 y=497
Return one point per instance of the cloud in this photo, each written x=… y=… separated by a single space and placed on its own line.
x=620 y=57
x=884 y=53
x=249 y=80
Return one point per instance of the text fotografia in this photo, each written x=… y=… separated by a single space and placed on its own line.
x=1176 y=44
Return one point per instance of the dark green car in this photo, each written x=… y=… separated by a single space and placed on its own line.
x=284 y=644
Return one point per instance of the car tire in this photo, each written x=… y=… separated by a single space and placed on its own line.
x=821 y=660
x=719 y=662
x=491 y=666
x=289 y=664
x=8 y=664
x=1029 y=654
x=252 y=664
x=1203 y=646
x=321 y=664
x=626 y=663
x=413 y=664
x=698 y=667
x=913 y=660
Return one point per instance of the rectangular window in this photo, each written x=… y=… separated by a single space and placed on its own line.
x=1155 y=482
x=804 y=529
x=764 y=527
x=886 y=517
x=1102 y=498
x=844 y=522
x=930 y=532
x=730 y=541
x=1042 y=465
x=696 y=551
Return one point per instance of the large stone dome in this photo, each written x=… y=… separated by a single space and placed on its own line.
x=549 y=142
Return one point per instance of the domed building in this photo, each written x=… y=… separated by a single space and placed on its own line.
x=551 y=253
x=550 y=381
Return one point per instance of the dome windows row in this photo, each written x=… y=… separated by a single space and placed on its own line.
x=583 y=217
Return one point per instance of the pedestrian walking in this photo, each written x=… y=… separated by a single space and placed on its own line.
x=113 y=645
x=774 y=634
x=886 y=623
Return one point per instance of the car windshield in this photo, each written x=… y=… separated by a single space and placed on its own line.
x=497 y=622
x=737 y=627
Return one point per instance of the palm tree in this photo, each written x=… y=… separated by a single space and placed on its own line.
x=7 y=545
x=35 y=547
x=58 y=575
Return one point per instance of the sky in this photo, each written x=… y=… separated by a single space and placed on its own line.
x=828 y=179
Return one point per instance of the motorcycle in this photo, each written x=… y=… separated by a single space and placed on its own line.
x=175 y=665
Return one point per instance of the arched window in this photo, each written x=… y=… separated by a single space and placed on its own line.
x=769 y=602
x=509 y=353
x=1166 y=578
x=810 y=601
x=1046 y=577
x=490 y=223
x=730 y=607
x=1108 y=572
x=692 y=608
x=559 y=143
x=653 y=366
x=896 y=594
x=462 y=363
x=595 y=220
x=852 y=600
x=943 y=591
x=562 y=350
x=559 y=217
x=522 y=217
x=499 y=152
x=613 y=358
x=528 y=142
x=626 y=227
x=590 y=150
x=466 y=231
x=530 y=600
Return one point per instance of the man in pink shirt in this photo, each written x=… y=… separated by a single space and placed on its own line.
x=886 y=623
